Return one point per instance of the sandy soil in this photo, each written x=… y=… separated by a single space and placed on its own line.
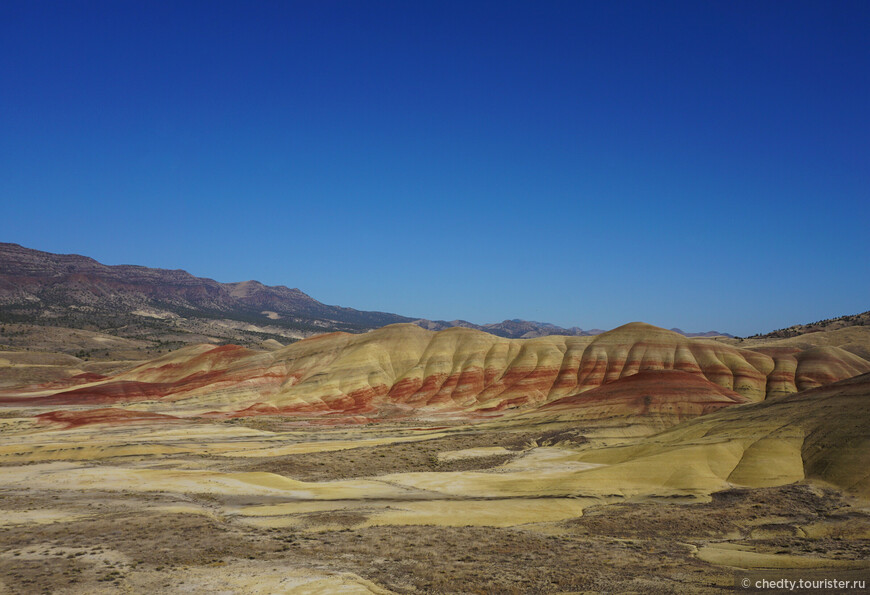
x=223 y=508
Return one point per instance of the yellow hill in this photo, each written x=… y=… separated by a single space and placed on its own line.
x=821 y=434
x=403 y=371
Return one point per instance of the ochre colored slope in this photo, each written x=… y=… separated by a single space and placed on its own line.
x=799 y=369
x=855 y=339
x=405 y=371
x=655 y=398
x=821 y=434
x=109 y=415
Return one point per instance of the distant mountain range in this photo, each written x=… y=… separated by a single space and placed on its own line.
x=173 y=307
x=707 y=334
x=510 y=329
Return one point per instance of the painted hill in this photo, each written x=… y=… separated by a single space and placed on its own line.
x=821 y=433
x=405 y=372
x=655 y=399
x=854 y=339
x=530 y=329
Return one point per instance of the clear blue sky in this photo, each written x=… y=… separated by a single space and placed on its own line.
x=695 y=164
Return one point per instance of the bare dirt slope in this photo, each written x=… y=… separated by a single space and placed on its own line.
x=408 y=461
x=91 y=505
x=404 y=372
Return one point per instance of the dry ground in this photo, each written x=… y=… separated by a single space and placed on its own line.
x=394 y=458
x=135 y=542
x=82 y=533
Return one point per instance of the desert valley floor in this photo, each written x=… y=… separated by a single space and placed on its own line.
x=410 y=461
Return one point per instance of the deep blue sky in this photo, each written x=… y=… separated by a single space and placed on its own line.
x=700 y=164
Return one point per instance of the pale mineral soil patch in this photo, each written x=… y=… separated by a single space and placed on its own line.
x=223 y=508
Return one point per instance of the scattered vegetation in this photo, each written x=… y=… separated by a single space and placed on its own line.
x=633 y=547
x=402 y=457
x=862 y=319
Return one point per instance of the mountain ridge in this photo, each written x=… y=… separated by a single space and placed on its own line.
x=828 y=324
x=173 y=307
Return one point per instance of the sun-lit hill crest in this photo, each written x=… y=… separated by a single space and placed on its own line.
x=403 y=371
